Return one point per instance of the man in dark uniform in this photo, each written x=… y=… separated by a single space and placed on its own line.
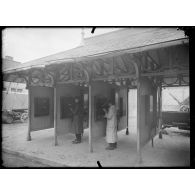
x=77 y=122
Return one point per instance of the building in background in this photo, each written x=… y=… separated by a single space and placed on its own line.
x=14 y=95
x=10 y=63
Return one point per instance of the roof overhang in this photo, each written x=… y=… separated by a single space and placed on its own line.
x=104 y=54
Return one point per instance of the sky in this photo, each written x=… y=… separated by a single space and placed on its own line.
x=25 y=44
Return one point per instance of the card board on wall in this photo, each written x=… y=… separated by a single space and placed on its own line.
x=41 y=106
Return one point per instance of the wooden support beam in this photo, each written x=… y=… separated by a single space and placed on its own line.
x=158 y=51
x=160 y=110
x=55 y=116
x=129 y=58
x=29 y=112
x=90 y=120
x=97 y=67
x=120 y=65
x=139 y=156
x=121 y=61
x=71 y=82
x=167 y=73
x=104 y=69
x=152 y=59
x=110 y=77
x=127 y=111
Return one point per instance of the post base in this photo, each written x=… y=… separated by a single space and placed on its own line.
x=127 y=131
x=29 y=138
x=160 y=135
x=56 y=142
x=152 y=141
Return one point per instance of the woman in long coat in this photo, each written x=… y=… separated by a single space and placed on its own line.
x=111 y=128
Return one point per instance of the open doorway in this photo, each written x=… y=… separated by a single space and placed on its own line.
x=132 y=111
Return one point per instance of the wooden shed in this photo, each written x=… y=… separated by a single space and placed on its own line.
x=105 y=67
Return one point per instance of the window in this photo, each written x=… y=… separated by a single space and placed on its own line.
x=66 y=103
x=41 y=106
x=19 y=90
x=100 y=102
x=13 y=89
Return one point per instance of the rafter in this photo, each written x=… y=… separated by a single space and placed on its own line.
x=152 y=59
x=104 y=66
x=123 y=57
x=96 y=65
x=122 y=64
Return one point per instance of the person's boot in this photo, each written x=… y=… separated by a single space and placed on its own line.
x=115 y=145
x=110 y=146
x=77 y=140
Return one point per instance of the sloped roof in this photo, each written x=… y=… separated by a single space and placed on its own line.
x=126 y=38
x=7 y=64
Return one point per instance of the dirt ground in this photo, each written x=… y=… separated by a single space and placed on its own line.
x=11 y=160
x=171 y=151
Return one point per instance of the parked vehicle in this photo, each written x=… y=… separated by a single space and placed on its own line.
x=176 y=119
x=9 y=116
x=15 y=103
x=180 y=118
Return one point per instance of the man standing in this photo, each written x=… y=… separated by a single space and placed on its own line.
x=77 y=122
x=111 y=128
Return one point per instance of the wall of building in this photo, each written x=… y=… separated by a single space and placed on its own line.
x=65 y=125
x=43 y=122
x=147 y=108
x=14 y=101
x=122 y=123
x=9 y=63
x=100 y=89
x=15 y=96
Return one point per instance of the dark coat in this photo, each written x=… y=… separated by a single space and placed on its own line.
x=77 y=122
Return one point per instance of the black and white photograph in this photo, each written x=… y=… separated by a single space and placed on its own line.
x=92 y=97
x=97 y=97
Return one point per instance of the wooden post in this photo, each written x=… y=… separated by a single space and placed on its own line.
x=160 y=110
x=152 y=140
x=29 y=113
x=90 y=120
x=55 y=116
x=127 y=111
x=139 y=158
